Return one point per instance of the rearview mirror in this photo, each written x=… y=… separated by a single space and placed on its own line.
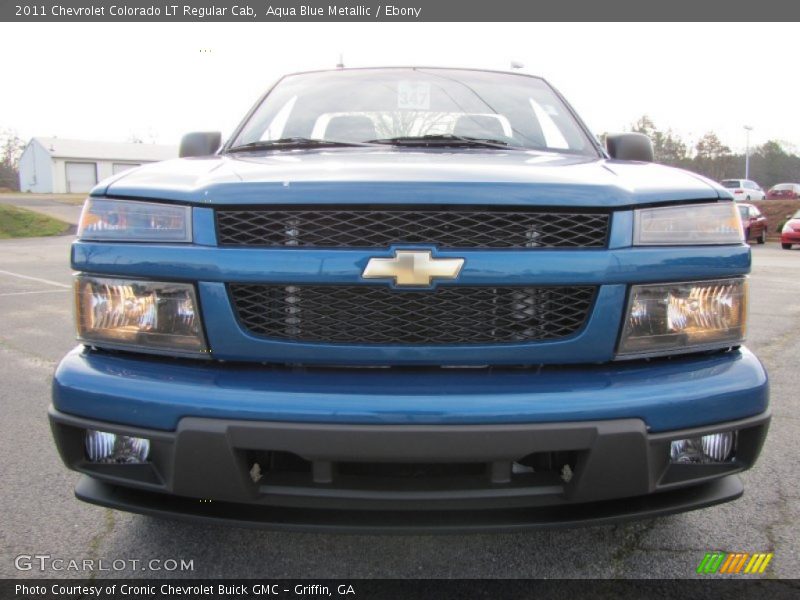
x=630 y=146
x=200 y=143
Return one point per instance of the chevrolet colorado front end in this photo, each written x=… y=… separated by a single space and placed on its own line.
x=410 y=299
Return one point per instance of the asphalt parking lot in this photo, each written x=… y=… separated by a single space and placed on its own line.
x=40 y=515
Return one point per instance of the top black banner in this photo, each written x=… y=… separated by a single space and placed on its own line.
x=400 y=10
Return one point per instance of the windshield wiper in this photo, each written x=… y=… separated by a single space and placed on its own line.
x=294 y=143
x=440 y=140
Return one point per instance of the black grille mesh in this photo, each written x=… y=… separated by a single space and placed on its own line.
x=381 y=315
x=377 y=228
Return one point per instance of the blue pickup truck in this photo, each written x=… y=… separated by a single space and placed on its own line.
x=410 y=299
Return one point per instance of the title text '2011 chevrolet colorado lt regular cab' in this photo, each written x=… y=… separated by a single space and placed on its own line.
x=410 y=299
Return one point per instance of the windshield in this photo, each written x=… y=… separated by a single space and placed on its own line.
x=784 y=186
x=394 y=105
x=731 y=183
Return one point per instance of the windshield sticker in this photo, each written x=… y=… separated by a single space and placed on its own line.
x=413 y=95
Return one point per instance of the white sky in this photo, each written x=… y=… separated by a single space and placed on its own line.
x=153 y=80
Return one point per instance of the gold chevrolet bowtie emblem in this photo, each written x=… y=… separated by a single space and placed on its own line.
x=413 y=267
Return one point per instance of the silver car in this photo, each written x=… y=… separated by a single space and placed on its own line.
x=744 y=190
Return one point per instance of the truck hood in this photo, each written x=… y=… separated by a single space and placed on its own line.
x=406 y=176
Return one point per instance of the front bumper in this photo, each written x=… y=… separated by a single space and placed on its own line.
x=405 y=477
x=790 y=237
x=423 y=521
x=409 y=449
x=156 y=393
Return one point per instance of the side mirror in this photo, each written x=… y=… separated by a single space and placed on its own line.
x=630 y=146
x=200 y=143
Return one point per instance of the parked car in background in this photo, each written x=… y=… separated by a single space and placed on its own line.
x=790 y=234
x=744 y=189
x=784 y=191
x=754 y=223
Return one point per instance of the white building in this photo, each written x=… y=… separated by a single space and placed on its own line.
x=53 y=165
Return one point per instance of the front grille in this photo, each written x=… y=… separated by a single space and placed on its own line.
x=381 y=315
x=450 y=227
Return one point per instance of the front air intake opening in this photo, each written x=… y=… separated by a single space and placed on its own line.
x=285 y=467
x=557 y=466
x=271 y=469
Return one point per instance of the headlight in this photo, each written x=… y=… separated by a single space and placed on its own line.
x=133 y=221
x=143 y=315
x=682 y=317
x=688 y=224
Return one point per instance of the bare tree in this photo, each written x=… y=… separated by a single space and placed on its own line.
x=11 y=147
x=668 y=146
x=712 y=158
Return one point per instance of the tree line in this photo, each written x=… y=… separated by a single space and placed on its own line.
x=770 y=163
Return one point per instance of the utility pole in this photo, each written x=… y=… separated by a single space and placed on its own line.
x=748 y=129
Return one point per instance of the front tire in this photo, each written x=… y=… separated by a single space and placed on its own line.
x=762 y=239
x=786 y=246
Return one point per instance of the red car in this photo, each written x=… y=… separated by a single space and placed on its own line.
x=790 y=234
x=784 y=191
x=754 y=223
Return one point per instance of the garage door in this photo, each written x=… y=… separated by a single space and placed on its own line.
x=81 y=177
x=120 y=167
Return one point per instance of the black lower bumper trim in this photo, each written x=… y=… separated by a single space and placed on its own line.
x=343 y=521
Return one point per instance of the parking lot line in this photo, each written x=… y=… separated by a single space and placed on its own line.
x=47 y=281
x=33 y=292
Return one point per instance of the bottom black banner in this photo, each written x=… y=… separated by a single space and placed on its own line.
x=362 y=589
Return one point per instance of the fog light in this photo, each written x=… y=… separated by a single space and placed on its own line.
x=104 y=447
x=712 y=448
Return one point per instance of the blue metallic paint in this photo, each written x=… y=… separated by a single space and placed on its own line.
x=666 y=394
x=204 y=227
x=621 y=233
x=482 y=267
x=152 y=392
x=411 y=177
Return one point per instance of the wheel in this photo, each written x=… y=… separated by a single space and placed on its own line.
x=748 y=198
x=762 y=239
x=786 y=246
